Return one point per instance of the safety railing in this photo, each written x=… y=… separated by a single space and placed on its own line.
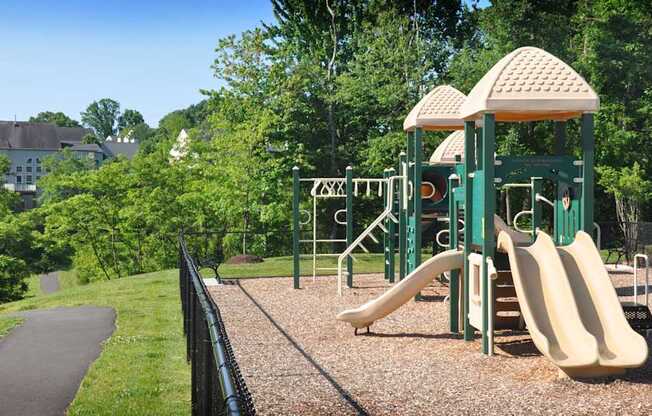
x=217 y=385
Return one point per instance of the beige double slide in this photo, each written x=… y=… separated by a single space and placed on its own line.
x=571 y=308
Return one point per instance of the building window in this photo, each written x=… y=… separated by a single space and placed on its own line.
x=38 y=161
x=19 y=179
x=28 y=168
x=28 y=179
x=38 y=169
x=19 y=168
x=29 y=160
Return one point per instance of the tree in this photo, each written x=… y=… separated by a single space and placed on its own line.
x=13 y=273
x=9 y=200
x=102 y=116
x=58 y=118
x=630 y=190
x=130 y=119
x=90 y=138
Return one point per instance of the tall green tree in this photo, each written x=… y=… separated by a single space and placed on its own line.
x=130 y=119
x=58 y=118
x=102 y=116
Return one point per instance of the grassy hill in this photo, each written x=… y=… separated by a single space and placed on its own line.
x=142 y=369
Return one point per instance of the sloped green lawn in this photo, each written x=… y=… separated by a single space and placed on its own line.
x=8 y=323
x=142 y=369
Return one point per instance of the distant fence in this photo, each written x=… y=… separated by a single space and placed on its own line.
x=623 y=240
x=218 y=387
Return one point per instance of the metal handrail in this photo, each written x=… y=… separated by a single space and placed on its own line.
x=386 y=213
x=646 y=260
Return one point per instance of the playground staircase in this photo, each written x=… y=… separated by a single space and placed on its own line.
x=507 y=309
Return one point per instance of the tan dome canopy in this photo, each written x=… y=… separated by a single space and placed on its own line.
x=438 y=110
x=452 y=146
x=530 y=84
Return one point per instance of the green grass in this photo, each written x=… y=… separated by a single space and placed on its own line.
x=68 y=279
x=142 y=369
x=33 y=286
x=7 y=323
x=282 y=266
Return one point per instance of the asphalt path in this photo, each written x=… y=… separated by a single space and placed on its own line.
x=43 y=361
x=50 y=282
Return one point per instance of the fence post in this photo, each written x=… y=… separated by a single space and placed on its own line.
x=295 y=226
x=194 y=362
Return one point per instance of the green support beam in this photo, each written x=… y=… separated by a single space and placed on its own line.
x=349 y=224
x=391 y=228
x=418 y=157
x=560 y=138
x=296 y=189
x=454 y=286
x=588 y=157
x=469 y=168
x=402 y=220
x=537 y=187
x=488 y=240
x=386 y=236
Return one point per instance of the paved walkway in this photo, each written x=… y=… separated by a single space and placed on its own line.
x=49 y=282
x=43 y=361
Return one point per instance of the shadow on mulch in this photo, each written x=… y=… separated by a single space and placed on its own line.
x=414 y=335
x=519 y=348
x=629 y=290
x=431 y=298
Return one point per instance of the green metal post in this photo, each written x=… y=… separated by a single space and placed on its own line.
x=560 y=149
x=454 y=286
x=349 y=224
x=391 y=228
x=469 y=168
x=537 y=184
x=588 y=152
x=489 y=209
x=295 y=226
x=560 y=138
x=418 y=157
x=402 y=219
x=410 y=244
x=385 y=235
x=478 y=148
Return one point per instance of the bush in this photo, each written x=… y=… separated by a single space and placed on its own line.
x=13 y=273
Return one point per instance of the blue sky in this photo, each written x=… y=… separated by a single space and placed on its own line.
x=150 y=55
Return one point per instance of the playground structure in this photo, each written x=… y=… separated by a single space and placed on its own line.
x=565 y=297
x=329 y=188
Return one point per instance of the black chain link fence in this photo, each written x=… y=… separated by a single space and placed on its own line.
x=218 y=387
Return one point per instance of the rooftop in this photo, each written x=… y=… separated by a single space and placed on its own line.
x=46 y=136
x=438 y=110
x=452 y=146
x=530 y=84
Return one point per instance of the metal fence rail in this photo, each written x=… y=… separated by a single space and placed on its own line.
x=218 y=387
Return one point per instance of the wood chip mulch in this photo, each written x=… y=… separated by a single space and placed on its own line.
x=298 y=360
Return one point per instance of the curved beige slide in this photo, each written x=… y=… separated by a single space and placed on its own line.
x=619 y=346
x=548 y=305
x=403 y=291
